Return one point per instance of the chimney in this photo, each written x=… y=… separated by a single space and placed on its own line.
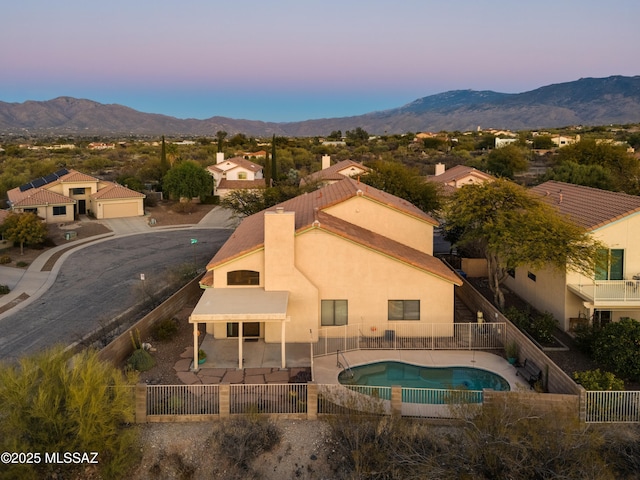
x=279 y=236
x=439 y=169
x=219 y=157
x=326 y=162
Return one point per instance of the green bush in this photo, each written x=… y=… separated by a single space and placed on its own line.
x=165 y=329
x=4 y=289
x=617 y=347
x=584 y=337
x=141 y=360
x=55 y=402
x=597 y=380
x=22 y=264
x=541 y=327
x=4 y=259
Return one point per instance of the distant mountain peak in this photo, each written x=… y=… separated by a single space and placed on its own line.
x=587 y=101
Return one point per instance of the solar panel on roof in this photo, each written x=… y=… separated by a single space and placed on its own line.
x=61 y=172
x=38 y=182
x=25 y=187
x=52 y=177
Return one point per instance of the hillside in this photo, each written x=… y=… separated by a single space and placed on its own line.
x=588 y=101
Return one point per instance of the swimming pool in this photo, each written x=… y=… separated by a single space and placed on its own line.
x=389 y=373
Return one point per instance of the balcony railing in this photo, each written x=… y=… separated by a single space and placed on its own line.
x=599 y=291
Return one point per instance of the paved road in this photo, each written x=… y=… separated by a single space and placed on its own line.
x=100 y=281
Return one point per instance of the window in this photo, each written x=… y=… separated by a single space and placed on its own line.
x=404 y=309
x=610 y=265
x=243 y=277
x=334 y=312
x=77 y=191
x=532 y=276
x=242 y=175
x=61 y=210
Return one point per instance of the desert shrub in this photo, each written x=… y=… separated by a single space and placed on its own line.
x=244 y=438
x=165 y=329
x=183 y=207
x=598 y=380
x=55 y=402
x=4 y=259
x=141 y=360
x=151 y=200
x=520 y=318
x=4 y=289
x=622 y=449
x=22 y=264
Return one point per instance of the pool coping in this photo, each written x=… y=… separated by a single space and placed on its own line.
x=326 y=370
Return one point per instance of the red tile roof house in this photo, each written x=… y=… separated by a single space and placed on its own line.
x=61 y=196
x=235 y=173
x=457 y=177
x=344 y=254
x=334 y=173
x=613 y=291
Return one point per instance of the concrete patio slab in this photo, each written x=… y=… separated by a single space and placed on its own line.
x=188 y=378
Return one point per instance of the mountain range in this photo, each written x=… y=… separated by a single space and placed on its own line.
x=588 y=101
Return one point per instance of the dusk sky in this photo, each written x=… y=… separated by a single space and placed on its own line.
x=289 y=60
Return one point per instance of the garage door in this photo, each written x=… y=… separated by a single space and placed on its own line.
x=118 y=210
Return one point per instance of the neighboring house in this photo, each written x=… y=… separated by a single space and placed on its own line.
x=334 y=173
x=61 y=196
x=613 y=291
x=235 y=173
x=458 y=176
x=344 y=254
x=562 y=141
x=503 y=142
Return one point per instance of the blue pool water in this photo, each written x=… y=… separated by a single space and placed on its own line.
x=387 y=374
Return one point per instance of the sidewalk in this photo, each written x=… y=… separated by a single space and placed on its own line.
x=27 y=285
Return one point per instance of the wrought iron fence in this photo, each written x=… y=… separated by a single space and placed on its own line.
x=410 y=336
x=183 y=400
x=268 y=398
x=612 y=407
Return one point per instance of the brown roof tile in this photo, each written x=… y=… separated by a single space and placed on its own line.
x=114 y=191
x=250 y=233
x=333 y=172
x=241 y=184
x=589 y=207
x=457 y=172
x=36 y=197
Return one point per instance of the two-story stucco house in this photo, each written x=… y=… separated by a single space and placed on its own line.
x=235 y=173
x=613 y=291
x=457 y=177
x=61 y=196
x=344 y=254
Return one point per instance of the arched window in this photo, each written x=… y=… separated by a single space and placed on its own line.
x=243 y=277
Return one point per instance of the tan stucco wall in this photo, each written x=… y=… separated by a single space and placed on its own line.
x=549 y=293
x=331 y=268
x=386 y=221
x=46 y=213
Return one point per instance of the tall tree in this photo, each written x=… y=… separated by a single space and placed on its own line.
x=403 y=182
x=164 y=163
x=274 y=162
x=513 y=227
x=187 y=180
x=24 y=228
x=507 y=161
x=221 y=135
x=267 y=170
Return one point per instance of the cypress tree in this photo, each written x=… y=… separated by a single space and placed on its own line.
x=267 y=171
x=164 y=164
x=274 y=165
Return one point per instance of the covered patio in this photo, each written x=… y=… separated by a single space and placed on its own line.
x=240 y=307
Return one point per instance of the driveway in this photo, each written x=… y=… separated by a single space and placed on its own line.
x=98 y=282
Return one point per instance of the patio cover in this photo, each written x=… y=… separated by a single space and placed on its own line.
x=221 y=305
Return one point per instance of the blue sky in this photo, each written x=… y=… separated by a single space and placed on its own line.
x=287 y=60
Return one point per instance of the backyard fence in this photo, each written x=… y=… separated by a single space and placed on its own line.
x=410 y=336
x=612 y=407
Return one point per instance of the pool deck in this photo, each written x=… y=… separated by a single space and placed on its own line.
x=325 y=369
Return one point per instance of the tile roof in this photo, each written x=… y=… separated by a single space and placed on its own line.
x=239 y=162
x=249 y=235
x=114 y=191
x=333 y=172
x=589 y=207
x=241 y=184
x=457 y=172
x=35 y=197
